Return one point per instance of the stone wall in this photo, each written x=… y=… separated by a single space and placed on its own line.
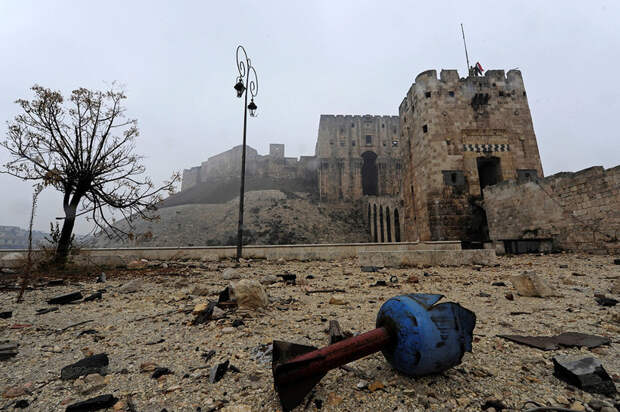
x=351 y=149
x=579 y=211
x=460 y=134
x=227 y=165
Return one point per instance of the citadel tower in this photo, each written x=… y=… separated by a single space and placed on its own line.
x=459 y=136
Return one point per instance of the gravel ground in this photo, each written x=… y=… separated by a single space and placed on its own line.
x=496 y=370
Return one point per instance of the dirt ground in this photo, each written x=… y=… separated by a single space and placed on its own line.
x=152 y=325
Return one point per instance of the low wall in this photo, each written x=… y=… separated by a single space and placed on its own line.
x=579 y=211
x=397 y=259
x=121 y=256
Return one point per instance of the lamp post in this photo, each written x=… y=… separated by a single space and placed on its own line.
x=244 y=65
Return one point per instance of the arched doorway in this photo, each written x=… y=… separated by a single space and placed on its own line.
x=381 y=221
x=374 y=218
x=370 y=174
x=396 y=226
x=389 y=224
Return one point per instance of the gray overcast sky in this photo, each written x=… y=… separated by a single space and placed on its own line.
x=176 y=60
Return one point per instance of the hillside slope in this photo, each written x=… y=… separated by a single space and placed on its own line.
x=271 y=217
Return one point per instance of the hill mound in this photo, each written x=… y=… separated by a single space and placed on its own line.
x=271 y=217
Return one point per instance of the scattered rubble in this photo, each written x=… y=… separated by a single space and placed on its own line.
x=249 y=294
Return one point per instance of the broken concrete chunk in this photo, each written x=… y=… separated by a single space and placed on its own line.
x=93 y=404
x=529 y=284
x=65 y=299
x=249 y=294
x=161 y=372
x=584 y=372
x=369 y=268
x=92 y=364
x=203 y=312
x=269 y=279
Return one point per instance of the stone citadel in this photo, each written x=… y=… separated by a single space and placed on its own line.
x=424 y=174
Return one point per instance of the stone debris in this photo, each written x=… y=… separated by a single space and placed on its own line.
x=132 y=286
x=137 y=264
x=269 y=280
x=337 y=300
x=46 y=310
x=603 y=300
x=65 y=299
x=369 y=269
x=123 y=324
x=237 y=408
x=91 y=364
x=6 y=315
x=567 y=339
x=8 y=349
x=101 y=278
x=248 y=294
x=230 y=274
x=93 y=404
x=530 y=284
x=89 y=383
x=584 y=372
x=161 y=372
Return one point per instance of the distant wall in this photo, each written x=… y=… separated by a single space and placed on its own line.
x=580 y=211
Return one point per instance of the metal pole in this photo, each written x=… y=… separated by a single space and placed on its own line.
x=465 y=44
x=242 y=190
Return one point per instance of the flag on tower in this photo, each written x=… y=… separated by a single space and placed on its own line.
x=479 y=67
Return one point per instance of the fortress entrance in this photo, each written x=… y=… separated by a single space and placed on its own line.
x=489 y=172
x=370 y=174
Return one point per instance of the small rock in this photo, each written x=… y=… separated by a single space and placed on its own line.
x=92 y=364
x=131 y=287
x=21 y=404
x=598 y=404
x=101 y=278
x=93 y=404
x=362 y=385
x=269 y=279
x=509 y=296
x=249 y=294
x=218 y=372
x=498 y=284
x=369 y=268
x=148 y=367
x=413 y=279
x=200 y=291
x=237 y=322
x=230 y=274
x=529 y=284
x=484 y=295
x=337 y=300
x=136 y=264
x=563 y=266
x=161 y=372
x=603 y=300
x=218 y=313
x=90 y=383
x=8 y=349
x=228 y=330
x=376 y=385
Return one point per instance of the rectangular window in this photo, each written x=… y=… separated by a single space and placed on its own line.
x=427 y=94
x=368 y=140
x=425 y=128
x=451 y=93
x=352 y=142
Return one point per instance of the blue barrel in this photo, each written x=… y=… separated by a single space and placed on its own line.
x=429 y=338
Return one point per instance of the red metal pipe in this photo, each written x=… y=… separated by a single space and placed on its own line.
x=322 y=360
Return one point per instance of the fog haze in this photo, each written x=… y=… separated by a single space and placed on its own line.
x=176 y=61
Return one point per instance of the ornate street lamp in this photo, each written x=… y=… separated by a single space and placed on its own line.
x=244 y=65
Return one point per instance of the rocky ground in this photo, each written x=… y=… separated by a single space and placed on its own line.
x=147 y=324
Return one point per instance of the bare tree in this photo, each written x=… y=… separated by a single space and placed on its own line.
x=85 y=149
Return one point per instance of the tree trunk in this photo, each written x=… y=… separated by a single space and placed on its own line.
x=64 y=243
